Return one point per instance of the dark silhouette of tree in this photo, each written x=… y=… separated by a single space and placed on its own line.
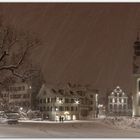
x=15 y=49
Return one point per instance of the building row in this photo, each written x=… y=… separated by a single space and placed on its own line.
x=69 y=102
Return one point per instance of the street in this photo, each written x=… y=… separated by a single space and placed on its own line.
x=79 y=129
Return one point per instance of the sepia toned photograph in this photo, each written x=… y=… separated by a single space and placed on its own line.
x=69 y=70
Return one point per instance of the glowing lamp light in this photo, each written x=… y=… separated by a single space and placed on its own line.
x=60 y=101
x=21 y=108
x=100 y=105
x=30 y=87
x=77 y=102
x=56 y=109
x=139 y=92
x=66 y=113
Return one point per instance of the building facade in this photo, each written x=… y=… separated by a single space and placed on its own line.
x=67 y=102
x=16 y=96
x=136 y=78
x=118 y=103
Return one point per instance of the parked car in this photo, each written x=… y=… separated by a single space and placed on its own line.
x=12 y=117
x=3 y=119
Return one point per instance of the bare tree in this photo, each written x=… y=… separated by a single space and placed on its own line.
x=15 y=48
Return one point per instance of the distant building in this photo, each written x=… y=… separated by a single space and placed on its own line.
x=136 y=78
x=118 y=104
x=17 y=96
x=69 y=102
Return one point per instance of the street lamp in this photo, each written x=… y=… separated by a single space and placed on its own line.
x=96 y=105
x=77 y=102
x=30 y=87
x=21 y=108
x=56 y=117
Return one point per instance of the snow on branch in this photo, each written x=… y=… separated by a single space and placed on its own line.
x=15 y=48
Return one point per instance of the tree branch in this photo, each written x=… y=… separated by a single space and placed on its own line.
x=17 y=74
x=3 y=55
x=10 y=67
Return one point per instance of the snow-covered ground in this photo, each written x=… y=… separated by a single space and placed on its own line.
x=123 y=122
x=98 y=128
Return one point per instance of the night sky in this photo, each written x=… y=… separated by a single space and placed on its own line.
x=81 y=43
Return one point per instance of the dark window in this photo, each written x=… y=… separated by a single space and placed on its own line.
x=120 y=100
x=124 y=106
x=48 y=100
x=61 y=91
x=139 y=85
x=72 y=100
x=66 y=108
x=115 y=106
x=91 y=108
x=51 y=108
x=91 y=96
x=47 y=108
x=16 y=96
x=124 y=100
x=53 y=100
x=72 y=108
x=23 y=88
x=44 y=100
x=26 y=96
x=53 y=90
x=111 y=107
x=120 y=107
x=61 y=108
x=40 y=108
x=44 y=108
x=71 y=92
x=66 y=100
x=40 y=100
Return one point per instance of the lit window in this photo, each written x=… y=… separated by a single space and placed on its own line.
x=113 y=100
x=74 y=117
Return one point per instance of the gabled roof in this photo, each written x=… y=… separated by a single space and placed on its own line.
x=51 y=91
x=118 y=92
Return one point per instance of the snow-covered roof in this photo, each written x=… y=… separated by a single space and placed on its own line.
x=118 y=92
x=51 y=91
